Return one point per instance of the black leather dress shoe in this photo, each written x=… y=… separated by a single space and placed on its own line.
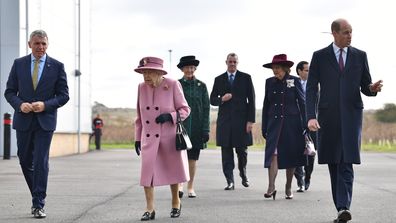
x=39 y=213
x=230 y=186
x=175 y=212
x=300 y=189
x=245 y=183
x=148 y=216
x=344 y=216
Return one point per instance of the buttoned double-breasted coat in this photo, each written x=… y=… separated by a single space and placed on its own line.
x=161 y=163
x=283 y=121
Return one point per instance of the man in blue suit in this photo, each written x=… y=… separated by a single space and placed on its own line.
x=341 y=72
x=36 y=88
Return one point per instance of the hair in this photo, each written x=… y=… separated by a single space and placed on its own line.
x=300 y=66
x=336 y=25
x=39 y=33
x=231 y=55
x=286 y=69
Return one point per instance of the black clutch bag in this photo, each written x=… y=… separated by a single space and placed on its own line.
x=183 y=142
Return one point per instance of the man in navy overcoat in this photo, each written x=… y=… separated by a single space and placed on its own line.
x=341 y=72
x=36 y=88
x=233 y=92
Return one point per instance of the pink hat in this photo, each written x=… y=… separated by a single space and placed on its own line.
x=151 y=63
x=280 y=59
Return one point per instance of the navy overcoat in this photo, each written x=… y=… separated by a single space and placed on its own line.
x=283 y=121
x=234 y=114
x=339 y=108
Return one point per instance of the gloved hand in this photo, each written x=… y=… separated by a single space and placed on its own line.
x=205 y=137
x=137 y=147
x=162 y=118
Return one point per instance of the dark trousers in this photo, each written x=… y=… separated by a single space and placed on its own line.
x=98 y=135
x=227 y=157
x=306 y=171
x=33 y=153
x=341 y=176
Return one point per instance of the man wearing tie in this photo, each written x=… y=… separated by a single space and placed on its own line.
x=303 y=175
x=233 y=92
x=36 y=88
x=342 y=72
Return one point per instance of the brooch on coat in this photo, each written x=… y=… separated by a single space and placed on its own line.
x=290 y=83
x=166 y=87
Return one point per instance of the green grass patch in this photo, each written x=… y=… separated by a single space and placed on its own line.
x=257 y=147
x=379 y=148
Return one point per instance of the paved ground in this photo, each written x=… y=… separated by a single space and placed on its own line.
x=103 y=187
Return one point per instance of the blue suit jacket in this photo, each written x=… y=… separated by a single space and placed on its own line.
x=52 y=89
x=340 y=106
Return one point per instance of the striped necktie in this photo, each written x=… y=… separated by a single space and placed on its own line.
x=35 y=73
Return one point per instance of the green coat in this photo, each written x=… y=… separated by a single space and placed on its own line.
x=197 y=123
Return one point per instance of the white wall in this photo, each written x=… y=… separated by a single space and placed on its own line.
x=60 y=20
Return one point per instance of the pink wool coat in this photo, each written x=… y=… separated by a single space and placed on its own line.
x=162 y=164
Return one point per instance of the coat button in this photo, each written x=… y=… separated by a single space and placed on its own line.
x=157 y=135
x=281 y=104
x=276 y=104
x=147 y=121
x=281 y=92
x=148 y=108
x=156 y=108
x=148 y=135
x=274 y=92
x=281 y=116
x=276 y=116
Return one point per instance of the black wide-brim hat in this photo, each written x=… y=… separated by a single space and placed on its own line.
x=187 y=61
x=280 y=59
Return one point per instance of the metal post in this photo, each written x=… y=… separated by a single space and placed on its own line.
x=7 y=136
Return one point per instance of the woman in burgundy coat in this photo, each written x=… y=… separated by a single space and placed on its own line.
x=159 y=100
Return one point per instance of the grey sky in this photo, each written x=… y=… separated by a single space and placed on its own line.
x=124 y=31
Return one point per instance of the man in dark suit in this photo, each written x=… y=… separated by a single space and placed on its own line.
x=36 y=88
x=303 y=174
x=233 y=92
x=341 y=71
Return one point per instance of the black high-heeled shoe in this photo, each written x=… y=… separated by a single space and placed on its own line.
x=290 y=195
x=175 y=212
x=148 y=216
x=269 y=195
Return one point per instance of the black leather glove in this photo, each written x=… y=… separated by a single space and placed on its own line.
x=162 y=118
x=205 y=137
x=137 y=147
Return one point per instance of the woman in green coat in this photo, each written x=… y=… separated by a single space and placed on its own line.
x=197 y=123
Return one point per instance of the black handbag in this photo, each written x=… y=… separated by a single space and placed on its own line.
x=183 y=142
x=309 y=144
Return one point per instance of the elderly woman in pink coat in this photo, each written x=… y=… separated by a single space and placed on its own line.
x=159 y=100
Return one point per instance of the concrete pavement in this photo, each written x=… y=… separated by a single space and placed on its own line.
x=103 y=186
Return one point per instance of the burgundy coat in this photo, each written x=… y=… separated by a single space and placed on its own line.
x=162 y=164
